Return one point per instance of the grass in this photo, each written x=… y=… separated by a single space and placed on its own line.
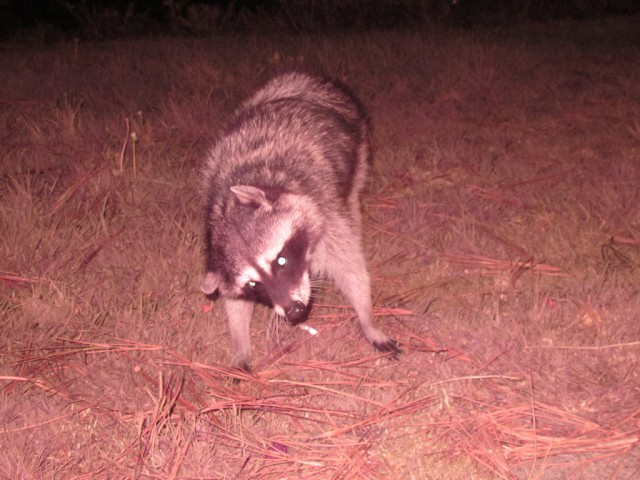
x=501 y=227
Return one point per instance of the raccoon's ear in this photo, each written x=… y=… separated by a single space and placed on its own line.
x=248 y=195
x=210 y=283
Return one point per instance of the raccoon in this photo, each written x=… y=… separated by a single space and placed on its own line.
x=281 y=191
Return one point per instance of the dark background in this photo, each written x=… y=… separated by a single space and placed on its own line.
x=52 y=19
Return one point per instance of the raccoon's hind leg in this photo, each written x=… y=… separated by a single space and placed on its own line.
x=349 y=272
x=239 y=313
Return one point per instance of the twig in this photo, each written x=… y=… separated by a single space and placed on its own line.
x=583 y=347
x=124 y=144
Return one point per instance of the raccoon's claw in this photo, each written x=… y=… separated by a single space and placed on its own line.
x=389 y=346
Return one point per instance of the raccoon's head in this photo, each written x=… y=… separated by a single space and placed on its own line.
x=264 y=253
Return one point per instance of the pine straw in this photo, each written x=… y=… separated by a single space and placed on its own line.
x=492 y=265
x=335 y=450
x=503 y=436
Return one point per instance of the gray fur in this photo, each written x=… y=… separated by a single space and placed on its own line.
x=282 y=190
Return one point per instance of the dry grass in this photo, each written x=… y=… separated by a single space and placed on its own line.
x=503 y=232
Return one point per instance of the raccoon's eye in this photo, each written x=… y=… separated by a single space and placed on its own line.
x=281 y=261
x=252 y=284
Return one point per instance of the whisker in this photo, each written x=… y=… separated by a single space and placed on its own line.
x=319 y=282
x=275 y=322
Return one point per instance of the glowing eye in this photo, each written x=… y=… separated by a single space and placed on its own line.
x=251 y=284
x=282 y=261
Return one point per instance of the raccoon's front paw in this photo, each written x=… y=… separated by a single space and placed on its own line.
x=389 y=346
x=244 y=368
x=241 y=362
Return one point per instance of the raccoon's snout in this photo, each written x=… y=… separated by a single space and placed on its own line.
x=297 y=312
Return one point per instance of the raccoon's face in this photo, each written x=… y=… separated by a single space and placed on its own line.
x=279 y=275
x=267 y=254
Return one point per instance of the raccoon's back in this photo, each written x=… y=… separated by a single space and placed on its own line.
x=291 y=142
x=311 y=89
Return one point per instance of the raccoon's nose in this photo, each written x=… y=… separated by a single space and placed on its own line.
x=297 y=312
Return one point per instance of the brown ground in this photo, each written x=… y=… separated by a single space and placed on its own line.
x=502 y=228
